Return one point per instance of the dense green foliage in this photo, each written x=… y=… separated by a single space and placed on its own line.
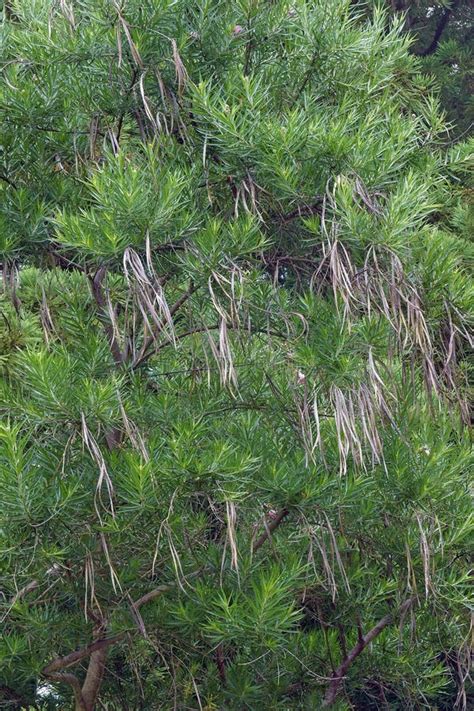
x=235 y=369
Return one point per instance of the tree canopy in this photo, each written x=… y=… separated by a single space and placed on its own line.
x=236 y=321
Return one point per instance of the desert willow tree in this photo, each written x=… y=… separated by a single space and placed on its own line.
x=234 y=463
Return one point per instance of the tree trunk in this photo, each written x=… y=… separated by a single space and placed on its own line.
x=80 y=705
x=94 y=676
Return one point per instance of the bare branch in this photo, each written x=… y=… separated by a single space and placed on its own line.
x=339 y=674
x=304 y=210
x=94 y=676
x=7 y=180
x=156 y=592
x=74 y=657
x=272 y=526
x=440 y=28
x=145 y=350
x=143 y=356
x=98 y=294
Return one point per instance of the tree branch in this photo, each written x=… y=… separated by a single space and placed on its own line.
x=9 y=181
x=339 y=674
x=73 y=681
x=306 y=77
x=98 y=294
x=272 y=526
x=144 y=352
x=143 y=356
x=74 y=657
x=156 y=592
x=94 y=676
x=440 y=28
x=313 y=208
x=133 y=81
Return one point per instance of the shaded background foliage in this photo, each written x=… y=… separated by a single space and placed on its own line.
x=235 y=338
x=443 y=34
